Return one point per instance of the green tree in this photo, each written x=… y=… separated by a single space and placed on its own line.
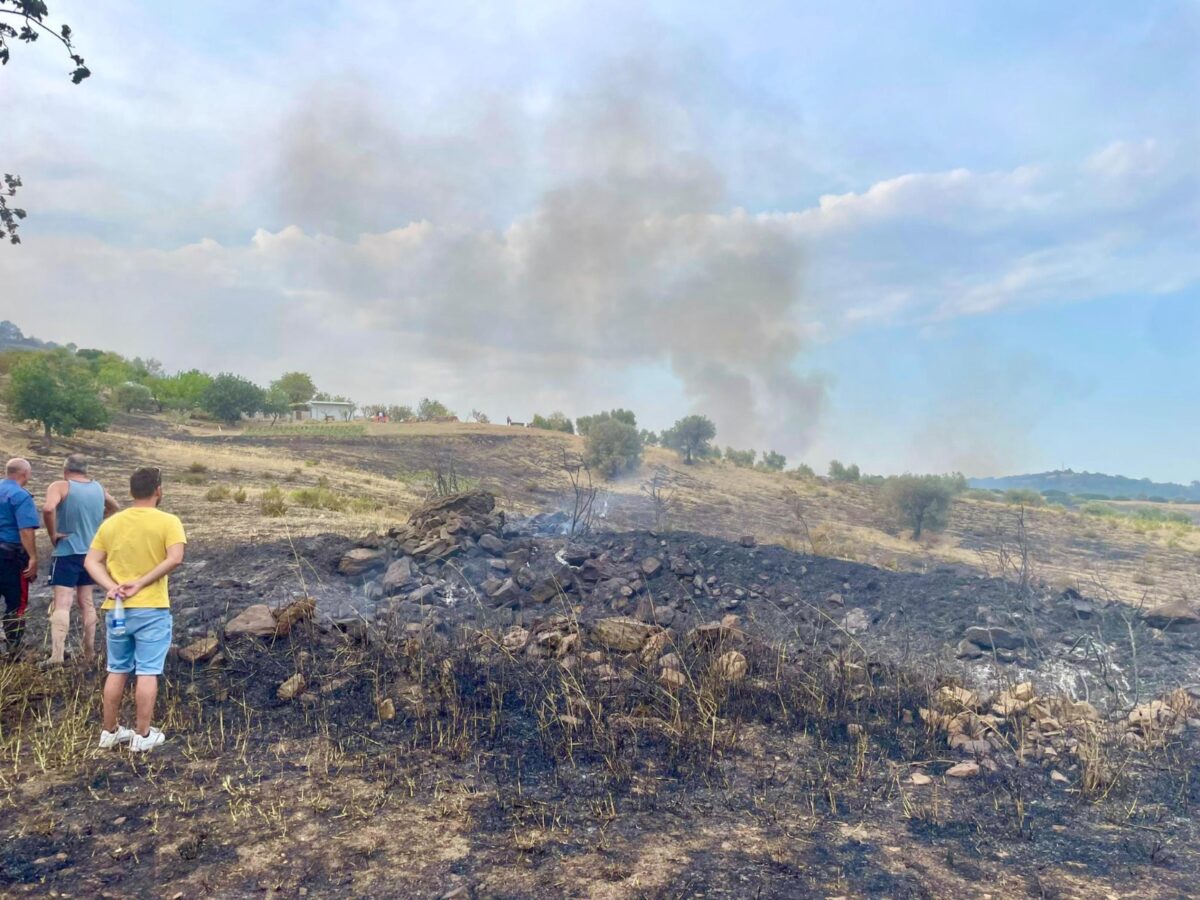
x=690 y=436
x=32 y=15
x=921 y=502
x=57 y=390
x=428 y=410
x=182 y=391
x=773 y=462
x=584 y=424
x=298 y=387
x=839 y=472
x=649 y=438
x=480 y=417
x=400 y=412
x=743 y=459
x=131 y=395
x=556 y=421
x=803 y=470
x=113 y=370
x=276 y=402
x=613 y=447
x=229 y=397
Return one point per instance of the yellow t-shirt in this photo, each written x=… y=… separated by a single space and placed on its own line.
x=134 y=541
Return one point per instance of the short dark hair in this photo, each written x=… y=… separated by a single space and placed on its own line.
x=144 y=482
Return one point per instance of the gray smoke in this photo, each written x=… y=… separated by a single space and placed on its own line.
x=622 y=250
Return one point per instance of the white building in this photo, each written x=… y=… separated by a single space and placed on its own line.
x=329 y=411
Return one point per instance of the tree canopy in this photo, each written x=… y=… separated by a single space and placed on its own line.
x=298 y=387
x=56 y=389
x=690 y=436
x=229 y=397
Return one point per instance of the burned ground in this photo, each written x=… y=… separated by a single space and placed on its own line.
x=468 y=727
x=451 y=748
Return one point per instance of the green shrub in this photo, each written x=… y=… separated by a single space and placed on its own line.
x=556 y=421
x=804 y=470
x=271 y=503
x=743 y=459
x=921 y=502
x=217 y=492
x=194 y=480
x=198 y=468
x=1024 y=497
x=613 y=447
x=239 y=496
x=319 y=497
x=772 y=461
x=839 y=472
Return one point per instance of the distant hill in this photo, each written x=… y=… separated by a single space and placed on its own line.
x=12 y=338
x=1116 y=487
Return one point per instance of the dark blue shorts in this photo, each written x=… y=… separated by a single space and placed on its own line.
x=68 y=571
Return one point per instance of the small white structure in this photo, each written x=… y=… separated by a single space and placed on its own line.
x=330 y=411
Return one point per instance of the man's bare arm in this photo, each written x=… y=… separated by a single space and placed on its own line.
x=110 y=505
x=54 y=496
x=29 y=542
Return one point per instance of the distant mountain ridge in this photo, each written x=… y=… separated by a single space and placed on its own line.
x=12 y=338
x=1118 y=487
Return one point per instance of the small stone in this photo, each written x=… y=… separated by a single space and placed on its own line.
x=386 y=708
x=731 y=666
x=1059 y=777
x=672 y=678
x=290 y=688
x=963 y=770
x=994 y=638
x=748 y=540
x=201 y=650
x=835 y=600
x=621 y=633
x=651 y=566
x=919 y=778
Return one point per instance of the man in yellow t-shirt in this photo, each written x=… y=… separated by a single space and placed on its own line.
x=131 y=556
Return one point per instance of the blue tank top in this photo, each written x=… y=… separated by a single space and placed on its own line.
x=78 y=516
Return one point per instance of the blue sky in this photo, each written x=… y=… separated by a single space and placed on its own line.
x=920 y=236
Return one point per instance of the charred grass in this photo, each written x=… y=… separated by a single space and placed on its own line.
x=412 y=764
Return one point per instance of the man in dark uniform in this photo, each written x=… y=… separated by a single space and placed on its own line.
x=19 y=520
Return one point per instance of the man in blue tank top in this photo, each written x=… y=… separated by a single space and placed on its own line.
x=74 y=509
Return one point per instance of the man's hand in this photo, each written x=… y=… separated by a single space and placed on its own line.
x=30 y=572
x=129 y=588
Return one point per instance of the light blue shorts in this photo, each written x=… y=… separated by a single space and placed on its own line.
x=143 y=648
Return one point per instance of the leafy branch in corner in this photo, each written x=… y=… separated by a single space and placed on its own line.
x=32 y=25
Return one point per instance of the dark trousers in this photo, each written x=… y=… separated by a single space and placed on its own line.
x=15 y=591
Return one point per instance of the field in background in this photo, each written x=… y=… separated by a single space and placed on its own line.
x=364 y=477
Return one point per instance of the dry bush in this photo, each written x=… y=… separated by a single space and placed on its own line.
x=271 y=503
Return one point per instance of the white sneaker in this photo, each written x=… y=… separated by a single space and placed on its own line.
x=110 y=739
x=139 y=744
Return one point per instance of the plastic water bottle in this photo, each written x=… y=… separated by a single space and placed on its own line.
x=117 y=624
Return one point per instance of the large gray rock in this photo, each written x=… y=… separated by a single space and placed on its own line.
x=253 y=621
x=360 y=561
x=491 y=544
x=1172 y=614
x=398 y=575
